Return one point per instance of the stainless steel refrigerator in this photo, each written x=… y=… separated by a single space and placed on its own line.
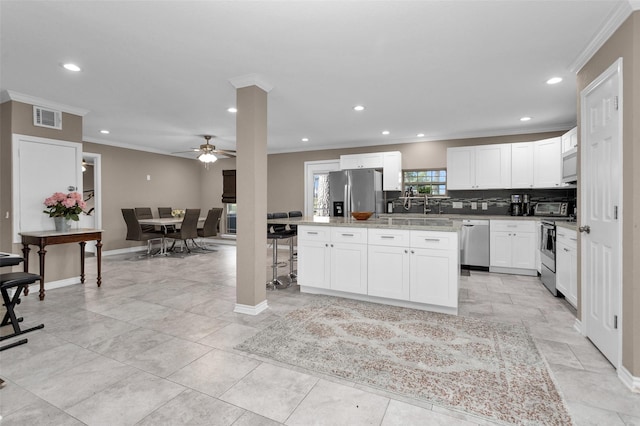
x=357 y=190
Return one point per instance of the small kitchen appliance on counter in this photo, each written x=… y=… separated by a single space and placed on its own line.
x=516 y=205
x=526 y=205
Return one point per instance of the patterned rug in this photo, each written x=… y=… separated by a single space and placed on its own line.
x=487 y=369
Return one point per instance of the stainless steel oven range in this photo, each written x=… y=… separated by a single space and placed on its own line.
x=550 y=212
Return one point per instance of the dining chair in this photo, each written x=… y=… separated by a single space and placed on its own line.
x=165 y=213
x=211 y=226
x=145 y=213
x=188 y=229
x=135 y=231
x=293 y=255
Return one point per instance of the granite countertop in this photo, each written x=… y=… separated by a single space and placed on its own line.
x=422 y=223
x=567 y=225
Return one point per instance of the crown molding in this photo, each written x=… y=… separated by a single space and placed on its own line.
x=251 y=80
x=615 y=19
x=126 y=146
x=10 y=95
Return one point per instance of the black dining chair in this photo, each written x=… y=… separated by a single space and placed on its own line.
x=135 y=231
x=188 y=229
x=211 y=226
x=145 y=213
x=293 y=256
x=165 y=213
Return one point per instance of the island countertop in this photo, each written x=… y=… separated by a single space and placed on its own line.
x=411 y=223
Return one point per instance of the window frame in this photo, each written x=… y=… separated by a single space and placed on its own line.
x=406 y=183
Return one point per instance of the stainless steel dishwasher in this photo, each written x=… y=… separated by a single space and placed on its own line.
x=474 y=243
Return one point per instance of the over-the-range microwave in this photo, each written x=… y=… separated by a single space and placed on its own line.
x=570 y=166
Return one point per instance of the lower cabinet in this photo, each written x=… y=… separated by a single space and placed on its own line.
x=512 y=247
x=333 y=258
x=567 y=264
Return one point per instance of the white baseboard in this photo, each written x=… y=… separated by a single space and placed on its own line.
x=632 y=382
x=577 y=325
x=50 y=285
x=124 y=250
x=251 y=310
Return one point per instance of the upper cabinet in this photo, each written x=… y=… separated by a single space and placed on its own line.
x=479 y=167
x=372 y=160
x=536 y=164
x=547 y=163
x=392 y=171
x=570 y=140
x=390 y=163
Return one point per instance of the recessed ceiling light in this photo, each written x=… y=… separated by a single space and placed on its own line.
x=232 y=109
x=420 y=135
x=554 y=80
x=104 y=132
x=385 y=132
x=525 y=118
x=71 y=67
x=358 y=108
x=305 y=139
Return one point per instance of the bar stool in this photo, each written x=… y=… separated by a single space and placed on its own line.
x=292 y=255
x=275 y=233
x=19 y=281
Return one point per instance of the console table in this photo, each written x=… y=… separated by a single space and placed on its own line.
x=45 y=238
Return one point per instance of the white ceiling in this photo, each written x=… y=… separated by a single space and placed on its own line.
x=156 y=74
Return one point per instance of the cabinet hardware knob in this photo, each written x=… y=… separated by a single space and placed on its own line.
x=412 y=252
x=406 y=251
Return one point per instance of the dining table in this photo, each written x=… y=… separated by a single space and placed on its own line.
x=164 y=223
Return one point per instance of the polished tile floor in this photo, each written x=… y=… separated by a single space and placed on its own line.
x=154 y=346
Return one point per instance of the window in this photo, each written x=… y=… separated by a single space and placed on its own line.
x=430 y=182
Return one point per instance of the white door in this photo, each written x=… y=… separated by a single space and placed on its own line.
x=312 y=193
x=601 y=188
x=40 y=168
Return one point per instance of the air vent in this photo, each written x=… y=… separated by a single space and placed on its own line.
x=44 y=117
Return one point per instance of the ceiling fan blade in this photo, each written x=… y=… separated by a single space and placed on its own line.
x=193 y=150
x=225 y=152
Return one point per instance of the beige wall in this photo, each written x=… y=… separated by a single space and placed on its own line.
x=625 y=43
x=175 y=182
x=17 y=117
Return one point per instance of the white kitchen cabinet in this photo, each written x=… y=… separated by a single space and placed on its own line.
x=314 y=261
x=392 y=171
x=522 y=165
x=567 y=264
x=569 y=140
x=461 y=171
x=373 y=160
x=479 y=167
x=416 y=266
x=512 y=247
x=547 y=163
x=333 y=258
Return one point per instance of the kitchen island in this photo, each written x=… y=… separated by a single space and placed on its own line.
x=409 y=262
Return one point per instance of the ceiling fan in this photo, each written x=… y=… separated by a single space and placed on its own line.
x=208 y=153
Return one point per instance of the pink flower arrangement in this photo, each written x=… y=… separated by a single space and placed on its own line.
x=64 y=205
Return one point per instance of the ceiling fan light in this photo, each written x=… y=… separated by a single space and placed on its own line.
x=207 y=157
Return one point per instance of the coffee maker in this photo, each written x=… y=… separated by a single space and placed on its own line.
x=526 y=205
x=516 y=205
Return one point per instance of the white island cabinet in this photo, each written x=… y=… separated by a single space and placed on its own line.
x=404 y=267
x=567 y=264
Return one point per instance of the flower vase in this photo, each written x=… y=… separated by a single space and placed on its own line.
x=62 y=224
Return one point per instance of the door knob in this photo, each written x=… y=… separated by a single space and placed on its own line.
x=585 y=228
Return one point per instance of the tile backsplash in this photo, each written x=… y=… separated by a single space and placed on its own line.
x=498 y=201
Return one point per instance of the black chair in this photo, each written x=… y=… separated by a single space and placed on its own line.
x=18 y=281
x=135 y=231
x=188 y=229
x=276 y=232
x=165 y=213
x=145 y=213
x=211 y=225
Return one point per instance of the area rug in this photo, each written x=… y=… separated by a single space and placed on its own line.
x=487 y=369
